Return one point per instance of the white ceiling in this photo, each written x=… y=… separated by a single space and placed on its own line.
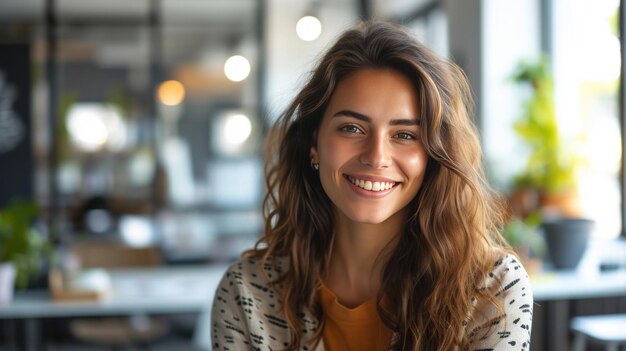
x=117 y=30
x=397 y=8
x=225 y=12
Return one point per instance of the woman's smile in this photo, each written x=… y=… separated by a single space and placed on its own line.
x=371 y=185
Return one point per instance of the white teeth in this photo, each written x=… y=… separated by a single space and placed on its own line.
x=372 y=186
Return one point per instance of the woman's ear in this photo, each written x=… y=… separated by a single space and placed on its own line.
x=313 y=152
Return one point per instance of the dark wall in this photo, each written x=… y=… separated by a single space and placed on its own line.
x=16 y=157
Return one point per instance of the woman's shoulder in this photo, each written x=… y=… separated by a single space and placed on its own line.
x=253 y=273
x=508 y=275
x=246 y=309
x=499 y=329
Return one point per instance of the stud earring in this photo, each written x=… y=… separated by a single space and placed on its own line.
x=315 y=165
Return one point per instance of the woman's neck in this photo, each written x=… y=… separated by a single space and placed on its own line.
x=358 y=256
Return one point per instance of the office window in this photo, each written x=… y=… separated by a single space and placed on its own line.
x=586 y=64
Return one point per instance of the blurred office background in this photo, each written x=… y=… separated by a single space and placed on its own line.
x=139 y=125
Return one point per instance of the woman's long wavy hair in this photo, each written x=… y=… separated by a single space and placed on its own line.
x=434 y=275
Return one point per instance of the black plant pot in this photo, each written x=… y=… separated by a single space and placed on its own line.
x=567 y=240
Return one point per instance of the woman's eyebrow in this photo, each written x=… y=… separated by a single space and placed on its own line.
x=364 y=118
x=405 y=122
x=354 y=114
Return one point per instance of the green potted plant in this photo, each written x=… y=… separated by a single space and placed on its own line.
x=22 y=247
x=549 y=181
x=552 y=165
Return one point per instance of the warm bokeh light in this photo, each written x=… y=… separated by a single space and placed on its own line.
x=237 y=129
x=308 y=28
x=171 y=93
x=237 y=68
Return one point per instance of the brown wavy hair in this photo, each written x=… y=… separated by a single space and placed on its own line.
x=451 y=240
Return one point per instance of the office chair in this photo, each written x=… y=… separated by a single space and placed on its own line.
x=608 y=330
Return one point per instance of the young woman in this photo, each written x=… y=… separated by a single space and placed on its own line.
x=381 y=232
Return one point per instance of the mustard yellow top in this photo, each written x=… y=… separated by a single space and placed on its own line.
x=358 y=328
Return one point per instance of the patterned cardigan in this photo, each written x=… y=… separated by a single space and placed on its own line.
x=247 y=315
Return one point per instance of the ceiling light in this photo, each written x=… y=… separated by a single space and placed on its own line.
x=237 y=129
x=237 y=68
x=91 y=126
x=309 y=28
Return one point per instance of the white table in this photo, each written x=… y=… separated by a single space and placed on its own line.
x=569 y=285
x=161 y=290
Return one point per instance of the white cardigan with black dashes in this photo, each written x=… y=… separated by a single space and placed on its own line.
x=246 y=312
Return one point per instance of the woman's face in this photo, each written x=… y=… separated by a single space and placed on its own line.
x=368 y=146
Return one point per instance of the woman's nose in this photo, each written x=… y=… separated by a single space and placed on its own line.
x=376 y=153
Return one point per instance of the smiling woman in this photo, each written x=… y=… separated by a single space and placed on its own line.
x=380 y=230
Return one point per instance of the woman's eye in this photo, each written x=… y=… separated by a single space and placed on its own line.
x=350 y=129
x=405 y=136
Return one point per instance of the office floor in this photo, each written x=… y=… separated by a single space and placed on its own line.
x=56 y=337
x=166 y=345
